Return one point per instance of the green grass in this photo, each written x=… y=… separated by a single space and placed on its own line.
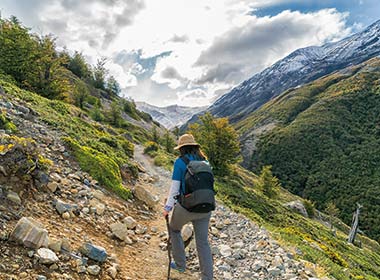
x=315 y=240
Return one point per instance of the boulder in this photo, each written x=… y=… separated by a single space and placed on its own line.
x=145 y=196
x=94 y=252
x=30 y=233
x=120 y=230
x=46 y=256
x=298 y=207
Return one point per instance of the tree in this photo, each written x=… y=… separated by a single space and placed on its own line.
x=115 y=114
x=268 y=183
x=113 y=87
x=78 y=65
x=332 y=211
x=100 y=73
x=155 y=135
x=168 y=142
x=81 y=93
x=219 y=141
x=176 y=132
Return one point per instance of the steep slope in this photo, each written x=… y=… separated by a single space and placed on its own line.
x=323 y=141
x=170 y=116
x=300 y=67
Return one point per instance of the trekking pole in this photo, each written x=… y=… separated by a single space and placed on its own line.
x=168 y=245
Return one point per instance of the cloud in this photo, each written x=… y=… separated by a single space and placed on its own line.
x=101 y=19
x=245 y=50
x=179 y=39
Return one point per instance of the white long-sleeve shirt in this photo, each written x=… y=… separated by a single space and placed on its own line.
x=173 y=192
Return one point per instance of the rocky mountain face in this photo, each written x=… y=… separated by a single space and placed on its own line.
x=170 y=116
x=298 y=68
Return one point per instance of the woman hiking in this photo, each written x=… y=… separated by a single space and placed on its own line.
x=189 y=151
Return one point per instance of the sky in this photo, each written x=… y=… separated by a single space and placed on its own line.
x=189 y=52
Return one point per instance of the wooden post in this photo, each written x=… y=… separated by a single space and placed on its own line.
x=354 y=225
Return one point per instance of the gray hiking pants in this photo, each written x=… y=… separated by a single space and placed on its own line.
x=200 y=221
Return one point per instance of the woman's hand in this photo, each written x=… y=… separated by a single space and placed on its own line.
x=165 y=213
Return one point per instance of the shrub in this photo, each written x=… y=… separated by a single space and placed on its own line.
x=151 y=147
x=310 y=208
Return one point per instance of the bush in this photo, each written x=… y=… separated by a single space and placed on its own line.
x=310 y=208
x=7 y=124
x=151 y=147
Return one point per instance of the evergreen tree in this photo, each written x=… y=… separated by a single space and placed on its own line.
x=155 y=135
x=100 y=73
x=78 y=65
x=268 y=183
x=113 y=87
x=115 y=114
x=81 y=93
x=168 y=142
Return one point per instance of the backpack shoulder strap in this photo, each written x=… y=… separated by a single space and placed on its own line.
x=185 y=159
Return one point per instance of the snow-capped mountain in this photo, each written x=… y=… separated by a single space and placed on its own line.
x=300 y=67
x=170 y=116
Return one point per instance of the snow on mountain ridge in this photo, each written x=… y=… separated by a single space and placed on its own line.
x=299 y=67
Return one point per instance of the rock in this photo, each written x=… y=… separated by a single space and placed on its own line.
x=55 y=245
x=145 y=196
x=63 y=207
x=46 y=256
x=66 y=215
x=98 y=194
x=94 y=252
x=2 y=170
x=41 y=277
x=140 y=229
x=30 y=233
x=55 y=177
x=225 y=250
x=100 y=207
x=120 y=230
x=298 y=207
x=52 y=186
x=187 y=232
x=130 y=222
x=14 y=197
x=66 y=244
x=93 y=270
x=112 y=271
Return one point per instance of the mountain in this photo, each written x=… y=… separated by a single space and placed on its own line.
x=170 y=116
x=298 y=68
x=323 y=141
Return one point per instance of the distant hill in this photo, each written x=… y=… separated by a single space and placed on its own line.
x=323 y=140
x=300 y=67
x=169 y=116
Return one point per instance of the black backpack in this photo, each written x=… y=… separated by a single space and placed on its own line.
x=199 y=193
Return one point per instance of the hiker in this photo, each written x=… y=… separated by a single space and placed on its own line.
x=190 y=151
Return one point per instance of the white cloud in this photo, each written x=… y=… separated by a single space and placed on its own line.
x=208 y=46
x=245 y=50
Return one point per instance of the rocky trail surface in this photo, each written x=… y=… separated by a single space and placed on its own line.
x=66 y=226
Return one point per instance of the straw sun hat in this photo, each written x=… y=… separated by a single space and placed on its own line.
x=186 y=140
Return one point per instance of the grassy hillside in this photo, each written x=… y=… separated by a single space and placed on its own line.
x=310 y=239
x=325 y=143
x=100 y=148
